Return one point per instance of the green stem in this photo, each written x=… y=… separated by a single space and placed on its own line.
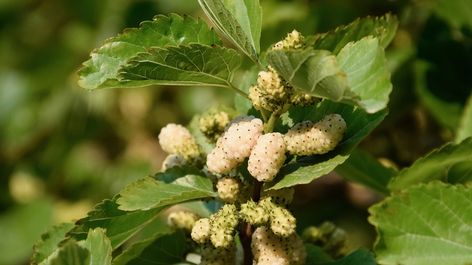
x=269 y=126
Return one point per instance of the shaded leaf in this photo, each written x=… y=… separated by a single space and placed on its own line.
x=152 y=232
x=120 y=225
x=465 y=127
x=457 y=12
x=102 y=68
x=239 y=20
x=447 y=163
x=71 y=254
x=305 y=169
x=20 y=227
x=315 y=255
x=49 y=242
x=166 y=249
x=99 y=247
x=445 y=111
x=192 y=65
x=148 y=193
x=382 y=28
x=425 y=224
x=363 y=168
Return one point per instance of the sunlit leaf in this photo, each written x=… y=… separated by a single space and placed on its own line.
x=382 y=28
x=192 y=65
x=425 y=224
x=148 y=193
x=102 y=68
x=239 y=20
x=450 y=163
x=49 y=242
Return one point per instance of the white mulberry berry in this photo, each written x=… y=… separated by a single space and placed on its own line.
x=269 y=249
x=308 y=138
x=176 y=139
x=267 y=157
x=201 y=230
x=222 y=226
x=218 y=256
x=173 y=160
x=228 y=189
x=218 y=163
x=182 y=220
x=253 y=213
x=235 y=144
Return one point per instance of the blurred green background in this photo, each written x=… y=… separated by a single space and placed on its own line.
x=63 y=149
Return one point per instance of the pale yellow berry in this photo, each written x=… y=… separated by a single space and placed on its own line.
x=176 y=139
x=271 y=92
x=228 y=189
x=308 y=138
x=182 y=220
x=201 y=231
x=213 y=123
x=222 y=226
x=254 y=213
x=282 y=222
x=267 y=157
x=294 y=40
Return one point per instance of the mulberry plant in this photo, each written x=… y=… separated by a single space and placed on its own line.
x=224 y=193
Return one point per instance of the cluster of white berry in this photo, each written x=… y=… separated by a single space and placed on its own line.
x=270 y=249
x=308 y=138
x=234 y=145
x=243 y=138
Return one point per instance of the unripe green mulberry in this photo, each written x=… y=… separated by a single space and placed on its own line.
x=223 y=224
x=294 y=40
x=218 y=256
x=213 y=123
x=182 y=220
x=271 y=92
x=281 y=197
x=269 y=249
x=235 y=144
x=267 y=157
x=228 y=189
x=253 y=213
x=176 y=139
x=308 y=138
x=201 y=230
x=173 y=160
x=282 y=222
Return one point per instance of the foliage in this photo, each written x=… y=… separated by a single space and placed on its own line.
x=78 y=148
